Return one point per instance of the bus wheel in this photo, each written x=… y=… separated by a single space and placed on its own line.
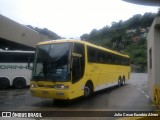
x=119 y=82
x=19 y=83
x=88 y=89
x=123 y=81
x=4 y=83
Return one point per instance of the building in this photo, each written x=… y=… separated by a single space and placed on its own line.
x=153 y=49
x=15 y=36
x=145 y=2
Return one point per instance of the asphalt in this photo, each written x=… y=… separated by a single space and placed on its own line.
x=132 y=97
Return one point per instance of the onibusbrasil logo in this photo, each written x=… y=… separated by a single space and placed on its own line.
x=21 y=114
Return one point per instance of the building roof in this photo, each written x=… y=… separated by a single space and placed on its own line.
x=145 y=2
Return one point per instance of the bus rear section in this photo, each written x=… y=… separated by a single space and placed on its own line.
x=106 y=67
x=14 y=68
x=67 y=69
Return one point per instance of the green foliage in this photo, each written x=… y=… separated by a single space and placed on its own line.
x=85 y=37
x=116 y=37
x=147 y=19
x=138 y=53
x=45 y=32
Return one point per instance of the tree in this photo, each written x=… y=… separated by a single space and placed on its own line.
x=46 y=32
x=117 y=43
x=134 y=22
x=147 y=19
x=138 y=53
x=85 y=37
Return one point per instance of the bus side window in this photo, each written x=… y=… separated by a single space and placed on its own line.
x=15 y=57
x=8 y=57
x=92 y=57
x=101 y=58
x=109 y=58
x=2 y=57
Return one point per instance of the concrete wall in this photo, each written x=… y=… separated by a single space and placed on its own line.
x=18 y=33
x=153 y=51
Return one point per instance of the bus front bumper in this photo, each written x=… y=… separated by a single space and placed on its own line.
x=50 y=93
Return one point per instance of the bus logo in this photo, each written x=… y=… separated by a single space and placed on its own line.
x=13 y=67
x=6 y=114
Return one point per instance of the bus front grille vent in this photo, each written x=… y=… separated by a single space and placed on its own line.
x=46 y=86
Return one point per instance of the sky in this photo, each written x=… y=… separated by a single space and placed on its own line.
x=70 y=18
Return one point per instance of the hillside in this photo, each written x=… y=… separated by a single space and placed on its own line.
x=45 y=32
x=127 y=37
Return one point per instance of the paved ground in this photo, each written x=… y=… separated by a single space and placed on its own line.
x=131 y=97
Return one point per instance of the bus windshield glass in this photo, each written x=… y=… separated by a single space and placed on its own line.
x=52 y=62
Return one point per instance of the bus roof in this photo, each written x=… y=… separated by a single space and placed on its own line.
x=61 y=41
x=83 y=42
x=16 y=51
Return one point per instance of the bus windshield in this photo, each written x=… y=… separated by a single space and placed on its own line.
x=52 y=62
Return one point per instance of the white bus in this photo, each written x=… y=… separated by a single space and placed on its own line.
x=14 y=68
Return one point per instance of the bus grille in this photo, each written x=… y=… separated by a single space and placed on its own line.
x=46 y=86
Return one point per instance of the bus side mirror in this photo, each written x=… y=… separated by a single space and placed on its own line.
x=30 y=61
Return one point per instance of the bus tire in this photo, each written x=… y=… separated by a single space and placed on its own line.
x=119 y=82
x=123 y=80
x=88 y=89
x=4 y=83
x=19 y=82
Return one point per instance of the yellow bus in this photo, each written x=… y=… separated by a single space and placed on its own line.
x=67 y=69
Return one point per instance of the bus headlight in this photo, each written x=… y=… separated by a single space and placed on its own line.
x=33 y=85
x=61 y=86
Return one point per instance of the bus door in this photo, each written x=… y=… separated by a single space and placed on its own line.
x=78 y=66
